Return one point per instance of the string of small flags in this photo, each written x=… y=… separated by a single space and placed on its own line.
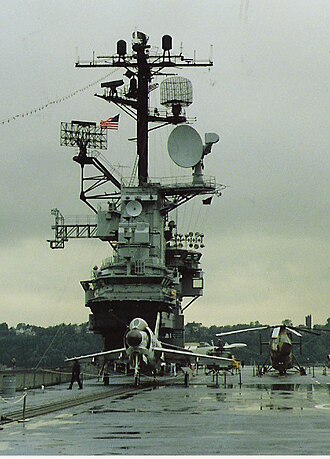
x=55 y=101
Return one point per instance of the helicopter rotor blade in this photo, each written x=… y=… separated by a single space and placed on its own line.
x=242 y=330
x=294 y=331
x=305 y=330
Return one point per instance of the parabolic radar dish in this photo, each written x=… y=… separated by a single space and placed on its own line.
x=185 y=146
x=134 y=208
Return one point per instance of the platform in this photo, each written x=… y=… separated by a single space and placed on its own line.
x=268 y=415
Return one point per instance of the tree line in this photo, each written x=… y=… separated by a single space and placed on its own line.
x=29 y=346
x=33 y=347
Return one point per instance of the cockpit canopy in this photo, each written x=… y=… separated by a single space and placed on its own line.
x=138 y=324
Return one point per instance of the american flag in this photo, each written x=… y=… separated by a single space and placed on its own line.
x=110 y=123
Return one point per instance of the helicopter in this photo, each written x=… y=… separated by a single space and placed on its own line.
x=281 y=357
x=145 y=351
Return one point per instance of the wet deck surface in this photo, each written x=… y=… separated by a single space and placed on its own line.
x=266 y=415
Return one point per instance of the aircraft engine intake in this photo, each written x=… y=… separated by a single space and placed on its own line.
x=134 y=338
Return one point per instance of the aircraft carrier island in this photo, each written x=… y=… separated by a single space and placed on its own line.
x=154 y=267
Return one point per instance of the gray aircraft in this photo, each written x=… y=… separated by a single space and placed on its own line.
x=211 y=349
x=281 y=357
x=145 y=351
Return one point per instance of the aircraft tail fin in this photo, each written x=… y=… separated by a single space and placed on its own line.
x=157 y=326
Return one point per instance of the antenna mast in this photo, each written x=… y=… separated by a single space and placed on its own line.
x=141 y=67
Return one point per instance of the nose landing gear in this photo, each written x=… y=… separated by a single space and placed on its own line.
x=136 y=370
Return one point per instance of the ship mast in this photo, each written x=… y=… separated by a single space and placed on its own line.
x=142 y=66
x=144 y=76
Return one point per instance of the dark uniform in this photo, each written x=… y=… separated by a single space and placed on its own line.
x=75 y=376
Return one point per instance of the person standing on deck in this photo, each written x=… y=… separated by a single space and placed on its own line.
x=75 y=376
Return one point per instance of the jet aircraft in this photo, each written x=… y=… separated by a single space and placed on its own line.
x=281 y=357
x=145 y=351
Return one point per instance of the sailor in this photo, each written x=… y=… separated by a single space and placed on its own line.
x=75 y=376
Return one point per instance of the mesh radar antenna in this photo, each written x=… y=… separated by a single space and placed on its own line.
x=141 y=67
x=86 y=135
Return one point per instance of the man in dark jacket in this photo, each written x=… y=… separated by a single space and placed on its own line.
x=75 y=376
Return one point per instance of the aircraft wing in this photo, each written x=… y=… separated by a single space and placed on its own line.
x=234 y=346
x=97 y=354
x=192 y=354
x=241 y=331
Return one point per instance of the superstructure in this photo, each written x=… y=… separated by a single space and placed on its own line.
x=154 y=268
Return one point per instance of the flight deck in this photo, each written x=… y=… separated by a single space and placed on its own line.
x=264 y=415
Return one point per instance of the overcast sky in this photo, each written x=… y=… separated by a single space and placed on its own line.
x=267 y=254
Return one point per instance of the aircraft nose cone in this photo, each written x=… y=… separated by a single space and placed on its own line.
x=133 y=338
